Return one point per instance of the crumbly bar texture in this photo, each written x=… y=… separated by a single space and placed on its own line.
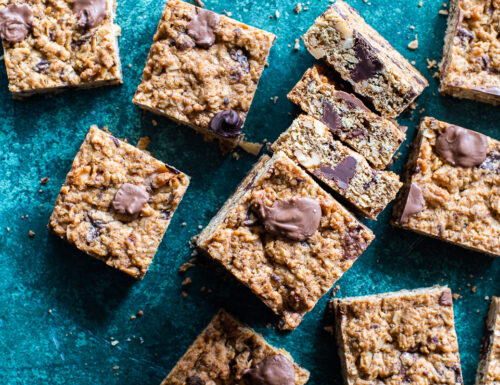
x=398 y=338
x=191 y=84
x=310 y=143
x=222 y=354
x=470 y=67
x=288 y=276
x=84 y=214
x=489 y=365
x=460 y=205
x=58 y=53
x=374 y=137
x=343 y=39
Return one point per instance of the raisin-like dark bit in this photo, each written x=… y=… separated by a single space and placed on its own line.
x=95 y=226
x=241 y=56
x=115 y=141
x=42 y=66
x=194 y=380
x=492 y=162
x=166 y=214
x=84 y=39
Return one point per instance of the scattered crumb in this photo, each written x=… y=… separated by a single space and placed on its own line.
x=435 y=75
x=445 y=5
x=236 y=155
x=277 y=14
x=115 y=342
x=296 y=47
x=298 y=8
x=185 y=267
x=200 y=3
x=188 y=281
x=413 y=44
x=203 y=289
x=431 y=64
x=31 y=233
x=473 y=289
x=329 y=330
x=116 y=367
x=443 y=12
x=456 y=296
x=49 y=311
x=44 y=180
x=183 y=224
x=129 y=65
x=227 y=13
x=140 y=313
x=487 y=298
x=7 y=228
x=251 y=147
x=335 y=290
x=184 y=294
x=412 y=27
x=200 y=227
x=413 y=105
x=154 y=122
x=420 y=4
x=132 y=317
x=143 y=143
x=421 y=111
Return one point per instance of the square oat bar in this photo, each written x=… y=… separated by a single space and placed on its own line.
x=470 y=67
x=310 y=143
x=203 y=70
x=117 y=203
x=227 y=352
x=406 y=337
x=374 y=137
x=452 y=187
x=50 y=47
x=488 y=372
x=284 y=237
x=343 y=39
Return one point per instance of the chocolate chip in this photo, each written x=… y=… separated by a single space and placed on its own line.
x=296 y=219
x=368 y=65
x=130 y=199
x=95 y=227
x=342 y=173
x=235 y=75
x=492 y=162
x=414 y=203
x=272 y=370
x=351 y=100
x=166 y=214
x=115 y=141
x=354 y=243
x=16 y=22
x=226 y=124
x=89 y=13
x=465 y=34
x=84 y=39
x=446 y=299
x=372 y=181
x=183 y=43
x=226 y=101
x=241 y=57
x=202 y=27
x=462 y=147
x=194 y=380
x=42 y=66
x=330 y=117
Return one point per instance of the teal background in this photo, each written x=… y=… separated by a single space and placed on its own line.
x=90 y=303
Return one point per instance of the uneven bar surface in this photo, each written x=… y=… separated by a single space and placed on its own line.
x=488 y=372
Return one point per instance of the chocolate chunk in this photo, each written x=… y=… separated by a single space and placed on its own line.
x=241 y=57
x=115 y=141
x=15 y=22
x=414 y=203
x=354 y=243
x=342 y=173
x=368 y=65
x=272 y=370
x=330 y=117
x=202 y=27
x=462 y=147
x=295 y=219
x=226 y=124
x=351 y=100
x=492 y=162
x=446 y=298
x=194 y=380
x=42 y=66
x=89 y=13
x=235 y=75
x=486 y=342
x=84 y=39
x=130 y=199
x=183 y=43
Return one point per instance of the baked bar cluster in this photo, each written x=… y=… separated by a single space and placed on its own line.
x=488 y=372
x=117 y=202
x=343 y=39
x=228 y=352
x=203 y=70
x=310 y=143
x=374 y=137
x=471 y=56
x=452 y=187
x=284 y=237
x=49 y=47
x=406 y=337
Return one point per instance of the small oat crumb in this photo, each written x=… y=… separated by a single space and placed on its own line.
x=8 y=229
x=412 y=27
x=298 y=8
x=413 y=44
x=185 y=267
x=115 y=342
x=188 y=281
x=487 y=298
x=183 y=224
x=445 y=5
x=129 y=65
x=420 y=4
x=116 y=367
x=251 y=147
x=421 y=111
x=200 y=227
x=132 y=317
x=431 y=64
x=49 y=311
x=140 y=313
x=277 y=14
x=44 y=180
x=236 y=155
x=274 y=99
x=456 y=296
x=443 y=12
x=143 y=143
x=184 y=294
x=154 y=122
x=31 y=233
x=473 y=289
x=296 y=47
x=435 y=75
x=413 y=62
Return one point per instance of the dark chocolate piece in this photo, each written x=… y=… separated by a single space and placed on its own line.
x=89 y=13
x=368 y=65
x=226 y=124
x=351 y=100
x=330 y=117
x=130 y=199
x=446 y=298
x=414 y=203
x=241 y=57
x=15 y=22
x=295 y=219
x=343 y=173
x=202 y=27
x=462 y=147
x=272 y=370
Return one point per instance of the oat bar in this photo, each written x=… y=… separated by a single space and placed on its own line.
x=489 y=364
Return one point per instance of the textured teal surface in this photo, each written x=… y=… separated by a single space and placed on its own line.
x=91 y=303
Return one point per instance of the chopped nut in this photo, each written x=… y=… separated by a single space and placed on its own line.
x=413 y=44
x=185 y=267
x=251 y=147
x=443 y=12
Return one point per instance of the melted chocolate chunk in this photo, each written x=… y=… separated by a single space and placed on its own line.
x=295 y=219
x=351 y=100
x=462 y=147
x=89 y=13
x=342 y=173
x=202 y=27
x=368 y=65
x=16 y=22
x=241 y=56
x=414 y=203
x=354 y=243
x=130 y=199
x=226 y=124
x=272 y=370
x=446 y=298
x=330 y=117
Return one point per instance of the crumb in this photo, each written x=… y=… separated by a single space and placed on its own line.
x=445 y=5
x=49 y=311
x=296 y=47
x=143 y=143
x=184 y=294
x=274 y=99
x=129 y=65
x=487 y=298
x=227 y=13
x=329 y=330
x=140 y=313
x=251 y=147
x=115 y=342
x=420 y=4
x=236 y=155
x=44 y=180
x=298 y=8
x=413 y=44
x=8 y=229
x=200 y=3
x=456 y=296
x=443 y=12
x=421 y=111
x=188 y=281
x=277 y=14
x=203 y=289
x=185 y=267
x=31 y=233
x=413 y=106
x=116 y=367
x=413 y=62
x=473 y=289
x=335 y=290
x=154 y=123
x=132 y=317
x=431 y=64
x=435 y=75
x=412 y=27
